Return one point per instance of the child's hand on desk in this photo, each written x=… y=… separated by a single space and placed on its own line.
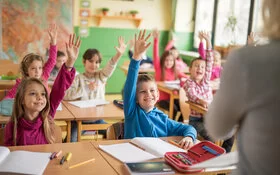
x=186 y=143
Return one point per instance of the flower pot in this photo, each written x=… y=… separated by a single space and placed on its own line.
x=105 y=13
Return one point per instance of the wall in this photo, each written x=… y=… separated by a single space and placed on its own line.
x=155 y=14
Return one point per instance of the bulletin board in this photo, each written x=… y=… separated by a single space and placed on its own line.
x=25 y=25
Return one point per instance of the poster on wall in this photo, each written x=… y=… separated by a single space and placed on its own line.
x=25 y=26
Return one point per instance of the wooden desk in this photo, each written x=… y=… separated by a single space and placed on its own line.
x=109 y=111
x=63 y=115
x=162 y=87
x=81 y=151
x=120 y=168
x=7 y=84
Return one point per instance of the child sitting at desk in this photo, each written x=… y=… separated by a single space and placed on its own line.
x=142 y=118
x=198 y=90
x=33 y=112
x=91 y=84
x=165 y=70
x=60 y=60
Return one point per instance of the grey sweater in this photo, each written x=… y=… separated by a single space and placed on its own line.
x=249 y=97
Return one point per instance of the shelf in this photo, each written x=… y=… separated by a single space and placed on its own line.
x=135 y=19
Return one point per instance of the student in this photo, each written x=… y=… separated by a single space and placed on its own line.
x=32 y=118
x=165 y=70
x=217 y=64
x=198 y=90
x=146 y=61
x=180 y=64
x=249 y=99
x=60 y=60
x=142 y=118
x=91 y=84
x=32 y=65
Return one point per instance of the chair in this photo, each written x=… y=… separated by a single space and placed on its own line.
x=2 y=132
x=115 y=131
x=185 y=107
x=2 y=94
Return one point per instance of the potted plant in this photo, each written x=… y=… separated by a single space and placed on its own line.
x=105 y=10
x=133 y=12
x=232 y=28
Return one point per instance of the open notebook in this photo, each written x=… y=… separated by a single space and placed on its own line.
x=22 y=162
x=140 y=149
x=88 y=103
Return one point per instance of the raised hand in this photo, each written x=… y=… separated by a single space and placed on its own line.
x=252 y=38
x=122 y=46
x=140 y=45
x=72 y=50
x=206 y=35
x=155 y=33
x=52 y=33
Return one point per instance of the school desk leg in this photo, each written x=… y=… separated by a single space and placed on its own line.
x=79 y=132
x=171 y=106
x=68 y=131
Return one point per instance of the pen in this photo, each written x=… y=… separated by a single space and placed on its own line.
x=81 y=163
x=68 y=156
x=52 y=156
x=62 y=160
x=58 y=154
x=210 y=150
x=174 y=143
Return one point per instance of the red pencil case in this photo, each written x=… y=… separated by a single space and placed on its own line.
x=182 y=161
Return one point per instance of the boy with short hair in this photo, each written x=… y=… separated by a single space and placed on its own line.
x=142 y=118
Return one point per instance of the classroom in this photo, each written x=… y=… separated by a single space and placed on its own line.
x=82 y=81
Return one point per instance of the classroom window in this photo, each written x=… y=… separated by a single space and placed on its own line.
x=232 y=22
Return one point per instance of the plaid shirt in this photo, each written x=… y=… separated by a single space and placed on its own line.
x=195 y=91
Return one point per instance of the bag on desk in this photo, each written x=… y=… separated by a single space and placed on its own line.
x=6 y=107
x=184 y=161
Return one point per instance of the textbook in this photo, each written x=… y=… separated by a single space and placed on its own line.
x=149 y=168
x=140 y=149
x=22 y=162
x=88 y=103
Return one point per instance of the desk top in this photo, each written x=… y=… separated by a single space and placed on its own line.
x=65 y=115
x=81 y=151
x=108 y=111
x=120 y=168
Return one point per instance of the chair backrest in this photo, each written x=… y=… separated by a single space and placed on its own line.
x=2 y=133
x=58 y=134
x=2 y=94
x=115 y=131
x=7 y=67
x=197 y=107
x=185 y=107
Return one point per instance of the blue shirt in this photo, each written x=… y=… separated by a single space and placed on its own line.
x=155 y=123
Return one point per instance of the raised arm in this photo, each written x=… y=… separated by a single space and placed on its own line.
x=156 y=55
x=140 y=46
x=201 y=50
x=209 y=55
x=49 y=65
x=66 y=74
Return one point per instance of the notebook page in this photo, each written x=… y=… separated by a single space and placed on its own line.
x=126 y=152
x=25 y=162
x=4 y=152
x=155 y=146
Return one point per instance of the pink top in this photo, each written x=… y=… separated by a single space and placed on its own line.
x=32 y=133
x=48 y=66
x=195 y=91
x=216 y=72
x=180 y=64
x=169 y=73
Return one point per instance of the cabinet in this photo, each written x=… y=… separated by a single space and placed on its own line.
x=136 y=20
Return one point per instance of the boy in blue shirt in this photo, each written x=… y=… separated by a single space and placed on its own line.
x=142 y=118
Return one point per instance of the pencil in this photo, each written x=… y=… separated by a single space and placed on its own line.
x=81 y=163
x=174 y=143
